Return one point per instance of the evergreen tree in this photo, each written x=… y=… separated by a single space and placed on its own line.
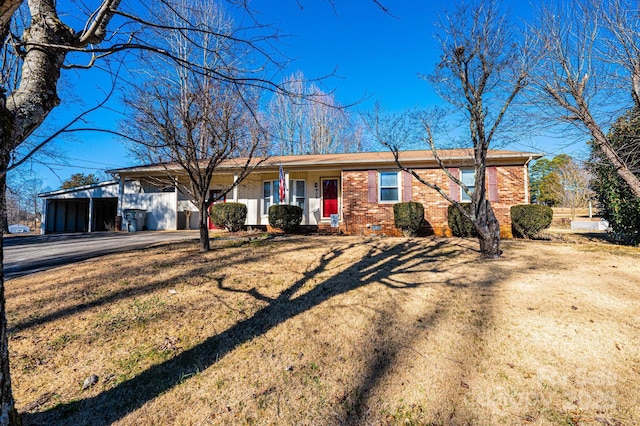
x=80 y=179
x=618 y=204
x=545 y=186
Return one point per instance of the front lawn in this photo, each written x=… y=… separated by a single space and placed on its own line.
x=332 y=330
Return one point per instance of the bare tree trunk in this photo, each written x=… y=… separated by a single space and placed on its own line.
x=4 y=219
x=8 y=413
x=488 y=231
x=204 y=227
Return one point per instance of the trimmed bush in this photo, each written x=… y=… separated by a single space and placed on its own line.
x=285 y=217
x=228 y=215
x=408 y=217
x=460 y=225
x=529 y=219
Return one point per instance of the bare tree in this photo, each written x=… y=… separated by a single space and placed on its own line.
x=187 y=118
x=286 y=114
x=589 y=62
x=573 y=186
x=36 y=50
x=196 y=127
x=307 y=120
x=329 y=127
x=479 y=75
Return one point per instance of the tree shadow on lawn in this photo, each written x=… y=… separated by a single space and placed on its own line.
x=126 y=293
x=357 y=405
x=377 y=266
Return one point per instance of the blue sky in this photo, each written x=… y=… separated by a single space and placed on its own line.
x=372 y=56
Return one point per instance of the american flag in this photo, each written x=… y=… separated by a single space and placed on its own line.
x=282 y=188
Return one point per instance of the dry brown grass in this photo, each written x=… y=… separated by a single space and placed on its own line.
x=332 y=330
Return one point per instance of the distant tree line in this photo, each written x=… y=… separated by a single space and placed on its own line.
x=560 y=182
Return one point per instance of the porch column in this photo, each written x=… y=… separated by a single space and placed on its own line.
x=120 y=204
x=91 y=228
x=175 y=204
x=286 y=187
x=43 y=218
x=235 y=189
x=120 y=196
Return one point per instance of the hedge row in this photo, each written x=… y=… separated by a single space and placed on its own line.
x=526 y=220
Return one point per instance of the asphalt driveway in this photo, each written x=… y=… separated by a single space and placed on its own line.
x=27 y=254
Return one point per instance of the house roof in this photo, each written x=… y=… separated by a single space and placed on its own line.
x=355 y=161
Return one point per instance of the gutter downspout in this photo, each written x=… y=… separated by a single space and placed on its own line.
x=526 y=181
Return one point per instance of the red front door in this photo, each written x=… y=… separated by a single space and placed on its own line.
x=329 y=197
x=215 y=193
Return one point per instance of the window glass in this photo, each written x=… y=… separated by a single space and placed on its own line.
x=266 y=196
x=388 y=179
x=276 y=192
x=297 y=192
x=467 y=177
x=389 y=190
x=388 y=194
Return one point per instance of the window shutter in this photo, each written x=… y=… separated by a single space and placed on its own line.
x=492 y=175
x=454 y=188
x=407 y=194
x=373 y=187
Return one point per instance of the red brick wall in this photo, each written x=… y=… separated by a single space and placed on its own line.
x=362 y=217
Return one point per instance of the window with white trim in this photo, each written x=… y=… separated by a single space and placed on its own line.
x=297 y=193
x=389 y=187
x=270 y=194
x=468 y=177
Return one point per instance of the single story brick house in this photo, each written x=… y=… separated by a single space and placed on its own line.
x=352 y=193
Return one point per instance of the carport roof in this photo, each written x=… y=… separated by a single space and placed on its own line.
x=77 y=188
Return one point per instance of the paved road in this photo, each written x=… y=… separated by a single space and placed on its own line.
x=28 y=254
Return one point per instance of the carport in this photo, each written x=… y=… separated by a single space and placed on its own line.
x=82 y=209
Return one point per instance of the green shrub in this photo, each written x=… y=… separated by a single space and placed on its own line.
x=618 y=205
x=529 y=219
x=460 y=225
x=229 y=215
x=285 y=217
x=408 y=217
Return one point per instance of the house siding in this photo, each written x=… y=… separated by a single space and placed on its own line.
x=360 y=216
x=160 y=207
x=250 y=193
